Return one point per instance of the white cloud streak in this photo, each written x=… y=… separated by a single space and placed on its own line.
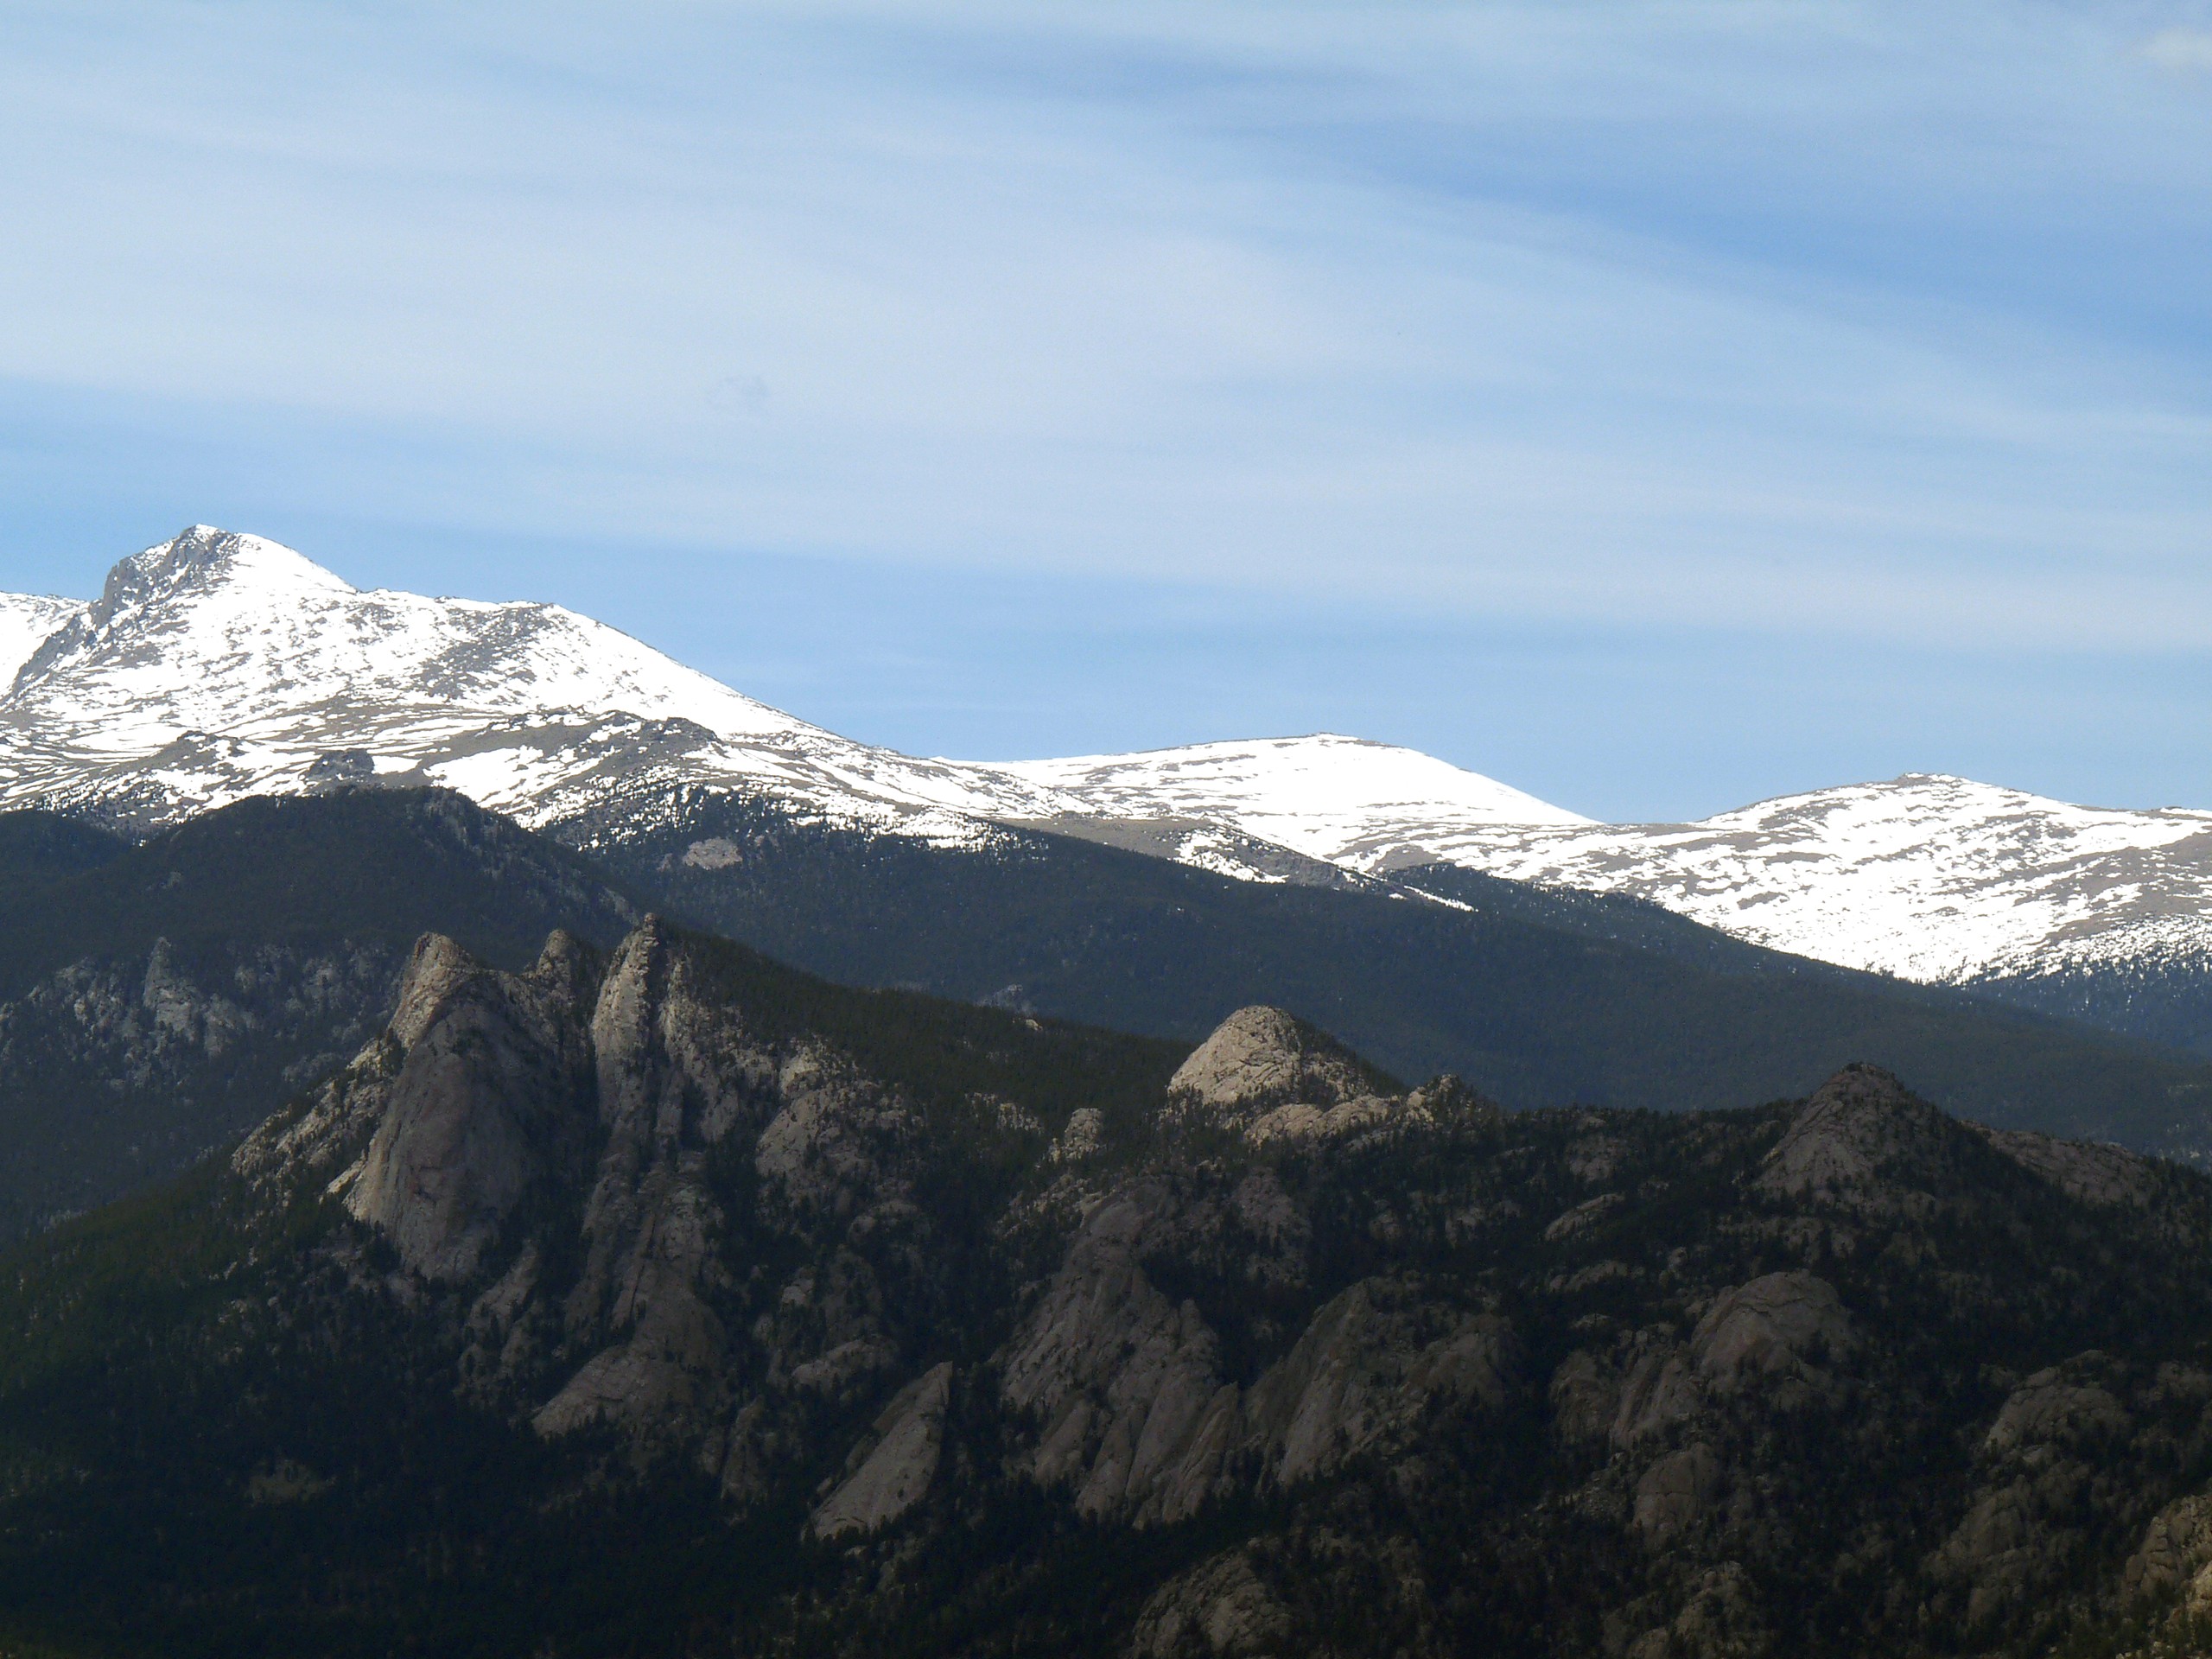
x=1773 y=316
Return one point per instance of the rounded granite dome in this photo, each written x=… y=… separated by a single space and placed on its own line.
x=1261 y=1058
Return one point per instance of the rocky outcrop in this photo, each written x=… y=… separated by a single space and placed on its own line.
x=1786 y=1331
x=1723 y=1618
x=672 y=1076
x=2061 y=1407
x=2026 y=1526
x=1863 y=1142
x=1222 y=1609
x=2086 y=1170
x=887 y=1473
x=1658 y=1391
x=156 y=1058
x=479 y=1082
x=1260 y=1056
x=1375 y=1360
x=1123 y=1382
x=1270 y=1076
x=1135 y=1414
x=1781 y=1342
x=1776 y=1399
x=1584 y=1396
x=492 y=1096
x=491 y=1101
x=1674 y=1494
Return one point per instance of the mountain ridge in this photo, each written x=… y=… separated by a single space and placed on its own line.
x=669 y=1301
x=216 y=666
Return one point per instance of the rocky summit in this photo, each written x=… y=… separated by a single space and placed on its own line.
x=665 y=1299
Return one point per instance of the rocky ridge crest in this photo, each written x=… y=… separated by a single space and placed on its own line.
x=1663 y=1386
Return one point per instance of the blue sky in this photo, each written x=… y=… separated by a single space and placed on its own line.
x=1657 y=406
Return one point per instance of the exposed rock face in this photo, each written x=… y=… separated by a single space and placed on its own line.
x=1259 y=1058
x=1220 y=1608
x=1124 y=1381
x=1374 y=1360
x=1271 y=1077
x=437 y=968
x=1674 y=1494
x=163 y=1057
x=2058 y=1407
x=1659 y=1392
x=2176 y=1548
x=1083 y=1136
x=674 y=1074
x=1777 y=1417
x=1785 y=1327
x=1723 y=1619
x=1779 y=1339
x=1133 y=1407
x=490 y=1092
x=2023 y=1530
x=530 y=1024
x=888 y=1472
x=2083 y=1170
x=1862 y=1142
x=1585 y=1396
x=1582 y=1217
x=494 y=1096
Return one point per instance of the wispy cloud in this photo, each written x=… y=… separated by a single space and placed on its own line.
x=2187 y=49
x=1865 y=316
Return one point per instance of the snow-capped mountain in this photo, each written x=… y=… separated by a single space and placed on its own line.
x=219 y=665
x=1935 y=879
x=1930 y=878
x=1345 y=799
x=26 y=620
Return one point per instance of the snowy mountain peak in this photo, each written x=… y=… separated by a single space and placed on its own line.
x=202 y=558
x=216 y=664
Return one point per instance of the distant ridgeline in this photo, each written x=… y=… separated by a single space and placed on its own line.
x=158 y=998
x=1539 y=997
x=666 y=1298
x=215 y=667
